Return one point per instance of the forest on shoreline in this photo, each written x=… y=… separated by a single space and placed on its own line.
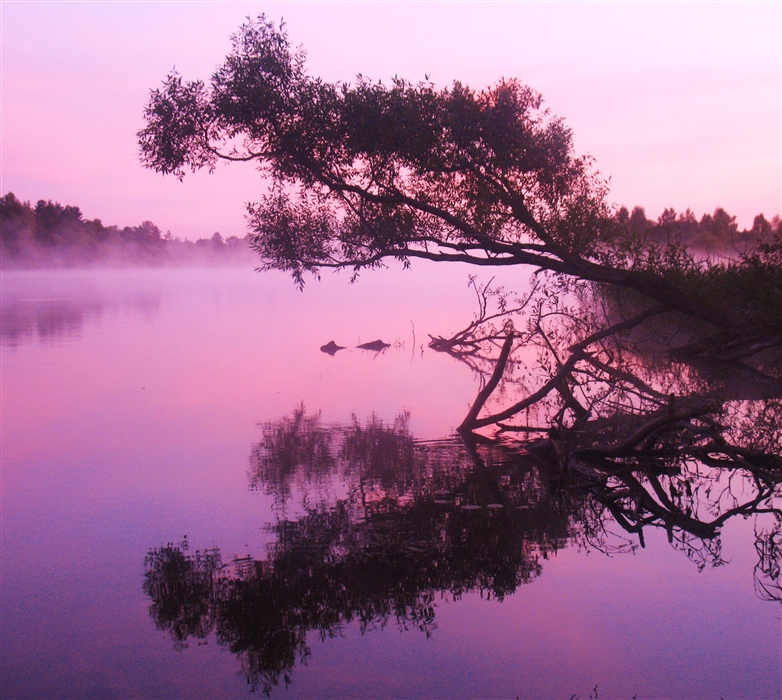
x=50 y=235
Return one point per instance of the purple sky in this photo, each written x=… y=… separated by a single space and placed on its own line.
x=679 y=103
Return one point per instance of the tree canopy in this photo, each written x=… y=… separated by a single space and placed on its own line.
x=364 y=172
x=655 y=377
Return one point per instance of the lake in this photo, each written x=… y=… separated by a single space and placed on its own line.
x=156 y=543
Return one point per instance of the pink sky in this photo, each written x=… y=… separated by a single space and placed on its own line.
x=679 y=103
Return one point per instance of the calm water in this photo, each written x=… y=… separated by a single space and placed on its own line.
x=137 y=411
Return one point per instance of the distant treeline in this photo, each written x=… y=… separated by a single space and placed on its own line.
x=718 y=232
x=51 y=235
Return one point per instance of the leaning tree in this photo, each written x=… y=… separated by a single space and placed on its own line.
x=361 y=173
x=364 y=172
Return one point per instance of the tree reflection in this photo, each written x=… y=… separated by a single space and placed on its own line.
x=595 y=423
x=663 y=428
x=389 y=526
x=374 y=528
x=43 y=311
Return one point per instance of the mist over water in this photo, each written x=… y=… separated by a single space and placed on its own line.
x=52 y=236
x=137 y=410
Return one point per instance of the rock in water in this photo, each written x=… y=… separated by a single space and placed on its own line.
x=375 y=345
x=331 y=348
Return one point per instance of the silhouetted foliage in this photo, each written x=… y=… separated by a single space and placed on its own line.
x=717 y=232
x=636 y=385
x=364 y=172
x=52 y=235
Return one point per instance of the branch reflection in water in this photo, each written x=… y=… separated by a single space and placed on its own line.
x=595 y=421
x=374 y=527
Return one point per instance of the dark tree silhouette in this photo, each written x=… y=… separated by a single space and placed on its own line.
x=53 y=235
x=578 y=362
x=364 y=172
x=642 y=383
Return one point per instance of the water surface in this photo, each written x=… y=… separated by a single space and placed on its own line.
x=134 y=403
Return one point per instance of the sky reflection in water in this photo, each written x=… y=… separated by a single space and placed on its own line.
x=132 y=401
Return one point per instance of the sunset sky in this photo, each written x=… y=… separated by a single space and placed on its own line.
x=680 y=104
